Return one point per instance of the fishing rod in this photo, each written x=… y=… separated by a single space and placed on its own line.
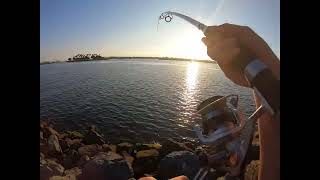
x=221 y=124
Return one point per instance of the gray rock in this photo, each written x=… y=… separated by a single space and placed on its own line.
x=83 y=160
x=41 y=135
x=64 y=145
x=106 y=166
x=48 y=131
x=71 y=159
x=171 y=145
x=74 y=135
x=67 y=177
x=179 y=163
x=146 y=162
x=67 y=163
x=53 y=145
x=41 y=156
x=90 y=150
x=127 y=147
x=93 y=137
x=74 y=143
x=76 y=171
x=141 y=146
x=49 y=168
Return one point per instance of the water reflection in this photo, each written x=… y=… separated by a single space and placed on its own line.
x=188 y=104
x=191 y=76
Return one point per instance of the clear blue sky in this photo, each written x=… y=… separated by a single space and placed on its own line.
x=129 y=27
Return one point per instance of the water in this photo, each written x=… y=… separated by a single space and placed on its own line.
x=133 y=100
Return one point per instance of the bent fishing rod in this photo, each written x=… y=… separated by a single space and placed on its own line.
x=259 y=76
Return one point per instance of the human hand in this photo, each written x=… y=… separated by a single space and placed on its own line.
x=228 y=44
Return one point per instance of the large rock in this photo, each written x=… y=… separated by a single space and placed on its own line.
x=67 y=177
x=53 y=145
x=170 y=145
x=146 y=162
x=90 y=150
x=74 y=143
x=48 y=131
x=74 y=135
x=179 y=163
x=76 y=171
x=71 y=159
x=109 y=147
x=127 y=147
x=44 y=148
x=93 y=137
x=106 y=166
x=64 y=145
x=83 y=160
x=147 y=153
x=41 y=136
x=41 y=156
x=140 y=146
x=49 y=168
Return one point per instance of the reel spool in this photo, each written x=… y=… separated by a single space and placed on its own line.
x=226 y=131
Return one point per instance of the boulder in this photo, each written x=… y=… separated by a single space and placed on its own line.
x=93 y=137
x=128 y=158
x=140 y=146
x=146 y=162
x=44 y=148
x=76 y=171
x=64 y=145
x=106 y=166
x=62 y=135
x=90 y=150
x=190 y=145
x=43 y=124
x=53 y=145
x=171 y=145
x=83 y=160
x=48 y=131
x=109 y=147
x=71 y=159
x=41 y=135
x=74 y=135
x=147 y=153
x=74 y=143
x=49 y=168
x=41 y=156
x=71 y=174
x=125 y=147
x=179 y=163
x=67 y=177
x=67 y=163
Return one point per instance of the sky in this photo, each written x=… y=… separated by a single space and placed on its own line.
x=129 y=27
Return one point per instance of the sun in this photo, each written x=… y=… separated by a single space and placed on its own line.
x=189 y=45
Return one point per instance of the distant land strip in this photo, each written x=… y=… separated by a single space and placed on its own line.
x=123 y=57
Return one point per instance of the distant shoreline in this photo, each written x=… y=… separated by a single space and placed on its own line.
x=115 y=57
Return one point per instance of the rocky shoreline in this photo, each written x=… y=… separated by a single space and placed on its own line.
x=71 y=155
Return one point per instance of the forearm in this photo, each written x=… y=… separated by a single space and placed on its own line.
x=269 y=135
